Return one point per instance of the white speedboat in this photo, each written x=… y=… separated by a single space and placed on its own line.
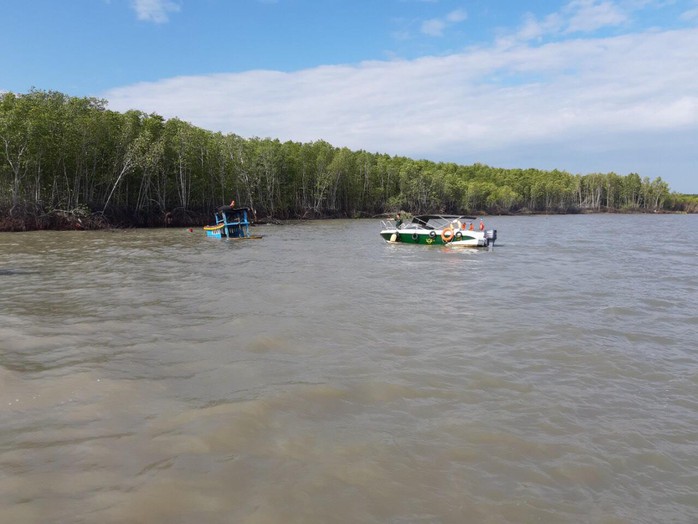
x=440 y=230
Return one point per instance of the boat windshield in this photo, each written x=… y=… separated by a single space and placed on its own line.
x=440 y=221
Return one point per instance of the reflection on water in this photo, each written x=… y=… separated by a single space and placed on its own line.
x=321 y=375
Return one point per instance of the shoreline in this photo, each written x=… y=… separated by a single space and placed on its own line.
x=70 y=223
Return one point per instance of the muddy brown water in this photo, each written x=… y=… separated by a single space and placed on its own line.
x=321 y=375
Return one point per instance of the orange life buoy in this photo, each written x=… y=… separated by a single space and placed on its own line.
x=447 y=234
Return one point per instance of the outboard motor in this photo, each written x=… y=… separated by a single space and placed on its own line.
x=491 y=236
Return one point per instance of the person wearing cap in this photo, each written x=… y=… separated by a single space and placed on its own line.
x=482 y=225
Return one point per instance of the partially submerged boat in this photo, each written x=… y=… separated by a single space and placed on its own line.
x=231 y=222
x=439 y=230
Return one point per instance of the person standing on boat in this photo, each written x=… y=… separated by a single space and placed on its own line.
x=482 y=225
x=398 y=221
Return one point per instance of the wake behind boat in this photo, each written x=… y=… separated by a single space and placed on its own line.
x=439 y=230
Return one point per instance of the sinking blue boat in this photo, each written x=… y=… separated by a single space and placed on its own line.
x=231 y=223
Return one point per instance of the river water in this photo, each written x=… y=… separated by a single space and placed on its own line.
x=320 y=375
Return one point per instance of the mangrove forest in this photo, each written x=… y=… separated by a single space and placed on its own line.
x=68 y=162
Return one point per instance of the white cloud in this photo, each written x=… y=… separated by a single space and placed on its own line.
x=578 y=16
x=590 y=15
x=534 y=29
x=586 y=97
x=154 y=10
x=436 y=26
x=433 y=27
x=456 y=16
x=690 y=15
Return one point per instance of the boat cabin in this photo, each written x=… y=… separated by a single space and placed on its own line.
x=230 y=223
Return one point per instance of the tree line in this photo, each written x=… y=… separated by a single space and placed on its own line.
x=71 y=162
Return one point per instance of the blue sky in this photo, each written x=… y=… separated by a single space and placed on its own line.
x=578 y=85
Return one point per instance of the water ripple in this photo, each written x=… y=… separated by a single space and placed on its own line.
x=321 y=375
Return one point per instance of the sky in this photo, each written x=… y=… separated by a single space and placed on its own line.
x=583 y=86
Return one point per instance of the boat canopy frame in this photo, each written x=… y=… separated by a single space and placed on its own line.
x=231 y=222
x=422 y=222
x=444 y=220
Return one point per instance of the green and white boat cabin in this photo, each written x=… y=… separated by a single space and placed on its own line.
x=440 y=230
